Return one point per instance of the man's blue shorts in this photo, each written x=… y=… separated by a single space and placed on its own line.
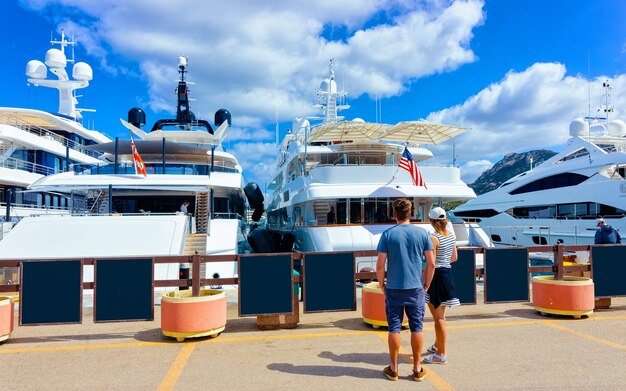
x=398 y=301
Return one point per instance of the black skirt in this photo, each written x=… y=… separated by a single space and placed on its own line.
x=442 y=289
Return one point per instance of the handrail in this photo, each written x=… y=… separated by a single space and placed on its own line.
x=17 y=164
x=41 y=132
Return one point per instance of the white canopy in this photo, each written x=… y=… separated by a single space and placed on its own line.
x=420 y=132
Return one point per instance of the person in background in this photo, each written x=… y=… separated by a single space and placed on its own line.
x=402 y=247
x=441 y=293
x=606 y=234
x=184 y=206
x=330 y=217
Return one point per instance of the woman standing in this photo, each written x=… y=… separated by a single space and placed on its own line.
x=441 y=293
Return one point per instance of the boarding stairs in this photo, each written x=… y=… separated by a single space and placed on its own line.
x=98 y=202
x=321 y=209
x=203 y=209
x=195 y=244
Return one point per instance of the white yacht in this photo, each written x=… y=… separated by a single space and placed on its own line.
x=352 y=167
x=560 y=200
x=118 y=211
x=35 y=143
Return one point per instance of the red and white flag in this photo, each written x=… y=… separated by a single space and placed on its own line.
x=408 y=164
x=140 y=168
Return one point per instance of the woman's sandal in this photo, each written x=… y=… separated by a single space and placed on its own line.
x=432 y=349
x=435 y=359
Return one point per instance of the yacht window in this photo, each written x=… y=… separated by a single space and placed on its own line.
x=576 y=154
x=551 y=182
x=370 y=211
x=496 y=238
x=566 y=210
x=355 y=211
x=341 y=211
x=477 y=213
x=539 y=240
x=297 y=215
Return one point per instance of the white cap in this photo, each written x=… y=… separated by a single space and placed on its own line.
x=598 y=221
x=437 y=214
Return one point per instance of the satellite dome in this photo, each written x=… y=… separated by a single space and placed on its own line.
x=299 y=123
x=82 y=71
x=578 y=127
x=617 y=128
x=55 y=58
x=359 y=120
x=36 y=69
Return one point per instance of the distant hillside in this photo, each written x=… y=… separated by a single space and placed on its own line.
x=511 y=165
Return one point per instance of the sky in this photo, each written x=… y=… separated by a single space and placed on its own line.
x=515 y=72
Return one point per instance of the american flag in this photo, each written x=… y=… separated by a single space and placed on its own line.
x=408 y=164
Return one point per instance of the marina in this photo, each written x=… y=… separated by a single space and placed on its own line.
x=170 y=249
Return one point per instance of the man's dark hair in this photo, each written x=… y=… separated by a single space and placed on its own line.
x=402 y=208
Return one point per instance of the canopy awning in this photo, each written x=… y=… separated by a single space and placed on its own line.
x=421 y=132
x=346 y=130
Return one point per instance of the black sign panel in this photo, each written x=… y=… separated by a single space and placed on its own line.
x=265 y=284
x=608 y=265
x=506 y=275
x=123 y=290
x=464 y=274
x=51 y=292
x=329 y=282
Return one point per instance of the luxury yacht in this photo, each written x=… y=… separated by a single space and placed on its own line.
x=560 y=200
x=353 y=168
x=129 y=203
x=35 y=143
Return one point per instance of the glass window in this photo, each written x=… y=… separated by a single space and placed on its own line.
x=551 y=182
x=355 y=212
x=341 y=211
x=370 y=212
x=567 y=210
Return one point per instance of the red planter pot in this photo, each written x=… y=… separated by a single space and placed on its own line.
x=373 y=306
x=184 y=316
x=573 y=296
x=7 y=312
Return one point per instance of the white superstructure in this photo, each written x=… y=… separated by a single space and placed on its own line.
x=352 y=167
x=560 y=200
x=117 y=211
x=35 y=143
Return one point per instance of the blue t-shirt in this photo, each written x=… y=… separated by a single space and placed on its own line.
x=404 y=245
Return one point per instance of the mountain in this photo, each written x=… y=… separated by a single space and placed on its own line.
x=511 y=165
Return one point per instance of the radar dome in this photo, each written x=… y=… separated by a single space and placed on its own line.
x=359 y=120
x=299 y=123
x=617 y=128
x=578 y=127
x=82 y=71
x=36 y=70
x=55 y=58
x=328 y=85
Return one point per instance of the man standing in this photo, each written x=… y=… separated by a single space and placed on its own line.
x=402 y=247
x=606 y=234
x=183 y=207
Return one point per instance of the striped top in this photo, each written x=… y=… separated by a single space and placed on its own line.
x=444 y=251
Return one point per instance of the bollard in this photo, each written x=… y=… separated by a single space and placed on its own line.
x=183 y=274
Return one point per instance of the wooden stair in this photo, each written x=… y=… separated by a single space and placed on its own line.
x=203 y=210
x=196 y=244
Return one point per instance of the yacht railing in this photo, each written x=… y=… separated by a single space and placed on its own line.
x=41 y=132
x=17 y=164
x=546 y=232
x=151 y=169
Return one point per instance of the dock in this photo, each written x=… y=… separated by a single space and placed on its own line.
x=495 y=347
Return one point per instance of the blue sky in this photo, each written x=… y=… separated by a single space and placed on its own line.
x=515 y=72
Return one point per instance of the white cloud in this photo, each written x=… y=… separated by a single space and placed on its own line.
x=471 y=170
x=257 y=159
x=256 y=57
x=525 y=110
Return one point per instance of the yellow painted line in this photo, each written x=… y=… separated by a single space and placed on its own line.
x=588 y=336
x=225 y=339
x=431 y=375
x=83 y=347
x=171 y=377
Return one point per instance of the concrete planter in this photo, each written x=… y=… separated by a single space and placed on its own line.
x=373 y=306
x=7 y=312
x=573 y=296
x=184 y=316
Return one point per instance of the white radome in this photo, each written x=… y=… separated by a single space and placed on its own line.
x=36 y=69
x=578 y=127
x=55 y=59
x=82 y=71
x=617 y=128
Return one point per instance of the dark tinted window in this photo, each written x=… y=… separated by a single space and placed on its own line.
x=551 y=182
x=477 y=213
